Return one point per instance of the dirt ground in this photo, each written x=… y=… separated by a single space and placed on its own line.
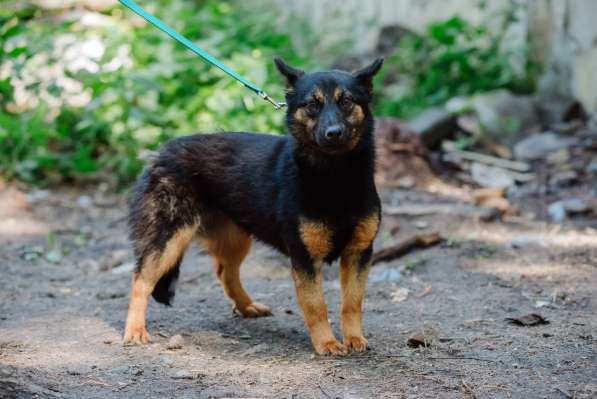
x=65 y=266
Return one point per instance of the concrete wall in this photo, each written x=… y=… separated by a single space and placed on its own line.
x=562 y=33
x=564 y=37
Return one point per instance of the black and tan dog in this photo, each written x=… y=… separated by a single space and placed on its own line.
x=310 y=195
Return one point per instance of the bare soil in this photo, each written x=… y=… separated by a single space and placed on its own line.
x=65 y=267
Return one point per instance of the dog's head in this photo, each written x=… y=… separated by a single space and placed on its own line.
x=329 y=111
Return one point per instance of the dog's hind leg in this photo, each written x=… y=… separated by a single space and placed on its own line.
x=154 y=267
x=229 y=245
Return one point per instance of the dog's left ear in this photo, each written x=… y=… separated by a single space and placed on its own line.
x=291 y=74
x=366 y=74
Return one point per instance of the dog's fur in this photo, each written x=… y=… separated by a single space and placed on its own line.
x=310 y=195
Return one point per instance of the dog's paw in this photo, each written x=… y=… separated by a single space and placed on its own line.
x=136 y=335
x=356 y=343
x=255 y=309
x=333 y=348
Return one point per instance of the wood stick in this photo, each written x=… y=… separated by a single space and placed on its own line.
x=404 y=247
x=456 y=155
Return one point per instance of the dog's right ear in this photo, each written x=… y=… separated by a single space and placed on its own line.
x=291 y=74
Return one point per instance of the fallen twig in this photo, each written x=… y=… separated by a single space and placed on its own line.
x=466 y=210
x=402 y=248
x=458 y=155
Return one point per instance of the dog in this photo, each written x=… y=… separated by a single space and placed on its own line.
x=311 y=195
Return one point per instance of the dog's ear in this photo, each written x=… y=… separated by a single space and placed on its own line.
x=366 y=74
x=291 y=74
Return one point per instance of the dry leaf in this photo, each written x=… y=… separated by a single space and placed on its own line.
x=418 y=340
x=400 y=295
x=426 y=291
x=532 y=319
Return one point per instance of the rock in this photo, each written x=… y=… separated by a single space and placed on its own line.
x=459 y=105
x=576 y=205
x=491 y=176
x=505 y=115
x=563 y=179
x=539 y=146
x=433 y=126
x=560 y=209
x=557 y=212
x=84 y=201
x=186 y=375
x=175 y=342
x=552 y=110
x=421 y=224
x=168 y=361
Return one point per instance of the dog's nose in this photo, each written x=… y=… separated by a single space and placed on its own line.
x=333 y=132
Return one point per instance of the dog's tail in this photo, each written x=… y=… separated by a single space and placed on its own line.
x=166 y=287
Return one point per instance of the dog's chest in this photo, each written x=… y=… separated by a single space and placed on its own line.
x=326 y=240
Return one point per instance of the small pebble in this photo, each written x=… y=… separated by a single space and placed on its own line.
x=84 y=201
x=175 y=342
x=421 y=224
x=185 y=375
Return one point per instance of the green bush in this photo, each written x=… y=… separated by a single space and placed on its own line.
x=82 y=94
x=453 y=58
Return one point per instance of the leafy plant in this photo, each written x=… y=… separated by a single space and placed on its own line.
x=80 y=97
x=453 y=58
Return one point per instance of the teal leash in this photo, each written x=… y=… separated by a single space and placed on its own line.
x=199 y=51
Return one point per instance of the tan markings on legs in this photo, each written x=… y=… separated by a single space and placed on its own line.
x=363 y=235
x=317 y=238
x=309 y=293
x=154 y=267
x=353 y=281
x=229 y=245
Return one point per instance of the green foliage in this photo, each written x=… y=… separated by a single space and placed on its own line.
x=80 y=96
x=454 y=58
x=83 y=92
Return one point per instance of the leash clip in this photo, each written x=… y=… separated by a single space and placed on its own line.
x=267 y=98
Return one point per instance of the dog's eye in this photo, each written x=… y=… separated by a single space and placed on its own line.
x=346 y=102
x=312 y=107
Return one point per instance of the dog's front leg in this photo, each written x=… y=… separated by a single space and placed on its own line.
x=354 y=269
x=309 y=292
